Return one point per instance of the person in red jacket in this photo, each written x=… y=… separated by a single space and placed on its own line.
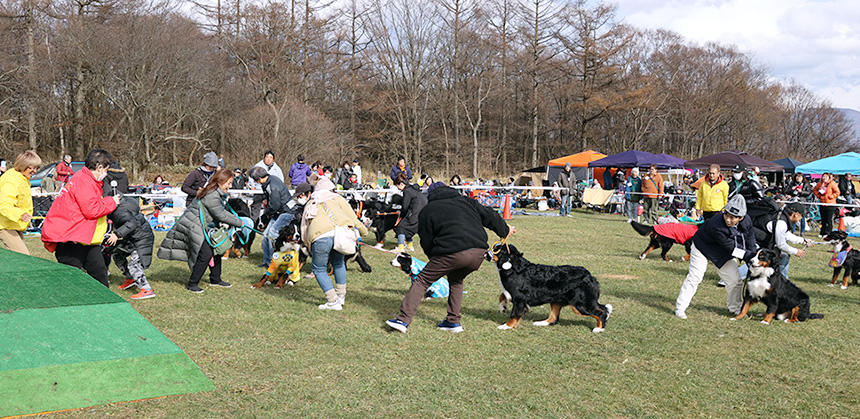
x=64 y=170
x=826 y=190
x=76 y=224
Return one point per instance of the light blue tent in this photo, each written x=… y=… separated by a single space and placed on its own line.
x=845 y=163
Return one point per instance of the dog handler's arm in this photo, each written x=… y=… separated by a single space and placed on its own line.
x=491 y=219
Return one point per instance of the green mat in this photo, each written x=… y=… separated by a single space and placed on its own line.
x=66 y=342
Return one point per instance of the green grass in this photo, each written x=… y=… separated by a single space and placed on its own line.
x=272 y=353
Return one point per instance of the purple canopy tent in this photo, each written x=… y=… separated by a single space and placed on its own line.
x=729 y=159
x=636 y=158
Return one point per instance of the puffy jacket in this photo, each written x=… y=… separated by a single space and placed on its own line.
x=395 y=171
x=451 y=223
x=652 y=187
x=720 y=243
x=337 y=209
x=133 y=230
x=826 y=193
x=183 y=241
x=15 y=200
x=712 y=197
x=299 y=173
x=413 y=202
x=79 y=214
x=115 y=174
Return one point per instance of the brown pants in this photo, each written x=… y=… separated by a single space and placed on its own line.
x=14 y=241
x=456 y=266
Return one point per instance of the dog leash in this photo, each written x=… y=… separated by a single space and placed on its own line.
x=377 y=248
x=503 y=241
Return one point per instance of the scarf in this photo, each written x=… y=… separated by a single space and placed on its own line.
x=402 y=166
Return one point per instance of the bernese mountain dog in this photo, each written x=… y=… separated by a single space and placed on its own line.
x=663 y=236
x=850 y=260
x=526 y=284
x=239 y=249
x=289 y=258
x=783 y=299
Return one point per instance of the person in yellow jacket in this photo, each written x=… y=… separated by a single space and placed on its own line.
x=16 y=203
x=713 y=193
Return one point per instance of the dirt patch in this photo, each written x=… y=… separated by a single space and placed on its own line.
x=622 y=277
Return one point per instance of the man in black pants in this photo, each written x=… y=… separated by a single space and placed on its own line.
x=452 y=233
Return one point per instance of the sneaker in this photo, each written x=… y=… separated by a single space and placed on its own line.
x=397 y=325
x=143 y=294
x=400 y=248
x=680 y=314
x=721 y=284
x=336 y=306
x=341 y=299
x=194 y=288
x=410 y=247
x=222 y=284
x=127 y=284
x=569 y=215
x=450 y=327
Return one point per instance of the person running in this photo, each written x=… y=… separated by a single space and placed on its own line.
x=452 y=233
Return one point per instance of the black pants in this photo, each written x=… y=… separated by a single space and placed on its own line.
x=708 y=214
x=203 y=256
x=827 y=213
x=86 y=257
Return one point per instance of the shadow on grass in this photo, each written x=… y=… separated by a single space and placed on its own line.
x=657 y=302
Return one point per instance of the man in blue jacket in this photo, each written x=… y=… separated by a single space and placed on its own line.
x=722 y=240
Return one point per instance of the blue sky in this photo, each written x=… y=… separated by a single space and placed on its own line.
x=815 y=42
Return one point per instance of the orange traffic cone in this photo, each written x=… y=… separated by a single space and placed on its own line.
x=506 y=207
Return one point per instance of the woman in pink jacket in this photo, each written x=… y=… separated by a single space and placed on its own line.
x=76 y=224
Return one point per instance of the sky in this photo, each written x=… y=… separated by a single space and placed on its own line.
x=815 y=42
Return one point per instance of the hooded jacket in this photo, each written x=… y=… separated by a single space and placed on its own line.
x=720 y=243
x=451 y=223
x=115 y=173
x=79 y=214
x=15 y=200
x=299 y=173
x=133 y=230
x=413 y=202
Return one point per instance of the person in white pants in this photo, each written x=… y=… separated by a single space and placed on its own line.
x=722 y=240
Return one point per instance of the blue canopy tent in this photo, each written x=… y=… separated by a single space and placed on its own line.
x=788 y=164
x=636 y=158
x=845 y=163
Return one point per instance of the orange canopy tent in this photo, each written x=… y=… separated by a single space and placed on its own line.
x=576 y=160
x=579 y=159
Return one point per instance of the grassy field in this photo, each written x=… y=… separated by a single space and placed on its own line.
x=272 y=353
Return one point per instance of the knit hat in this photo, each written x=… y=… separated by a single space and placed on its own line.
x=435 y=186
x=303 y=188
x=795 y=207
x=210 y=159
x=737 y=206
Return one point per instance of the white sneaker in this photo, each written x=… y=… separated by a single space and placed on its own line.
x=680 y=314
x=341 y=299
x=336 y=306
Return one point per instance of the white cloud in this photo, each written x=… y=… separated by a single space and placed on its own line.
x=816 y=43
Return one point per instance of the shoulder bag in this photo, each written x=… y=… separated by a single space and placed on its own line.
x=345 y=238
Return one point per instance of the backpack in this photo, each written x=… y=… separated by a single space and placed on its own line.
x=762 y=212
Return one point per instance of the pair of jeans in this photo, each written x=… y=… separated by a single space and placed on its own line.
x=323 y=253
x=564 y=208
x=631 y=209
x=270 y=234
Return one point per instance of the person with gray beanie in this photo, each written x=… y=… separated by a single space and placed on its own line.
x=722 y=240
x=197 y=179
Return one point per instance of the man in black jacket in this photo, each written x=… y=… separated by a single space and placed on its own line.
x=278 y=211
x=722 y=240
x=413 y=202
x=452 y=233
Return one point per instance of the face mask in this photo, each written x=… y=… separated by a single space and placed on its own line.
x=737 y=176
x=302 y=201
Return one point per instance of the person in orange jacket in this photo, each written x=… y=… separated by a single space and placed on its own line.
x=826 y=190
x=76 y=224
x=652 y=189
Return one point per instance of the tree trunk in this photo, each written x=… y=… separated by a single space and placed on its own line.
x=31 y=76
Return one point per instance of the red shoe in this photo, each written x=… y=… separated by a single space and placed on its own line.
x=143 y=294
x=127 y=284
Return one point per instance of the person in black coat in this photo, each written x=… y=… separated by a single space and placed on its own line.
x=452 y=233
x=198 y=178
x=278 y=212
x=413 y=202
x=722 y=240
x=131 y=240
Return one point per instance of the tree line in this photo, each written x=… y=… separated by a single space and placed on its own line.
x=457 y=86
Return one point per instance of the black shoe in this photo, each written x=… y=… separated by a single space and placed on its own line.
x=194 y=288
x=222 y=284
x=262 y=265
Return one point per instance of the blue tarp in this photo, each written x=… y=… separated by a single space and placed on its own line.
x=788 y=164
x=845 y=163
x=636 y=158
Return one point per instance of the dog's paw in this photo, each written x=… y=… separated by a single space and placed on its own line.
x=765 y=322
x=733 y=319
x=669 y=260
x=541 y=323
x=597 y=329
x=843 y=287
x=608 y=310
x=642 y=256
x=504 y=326
x=291 y=283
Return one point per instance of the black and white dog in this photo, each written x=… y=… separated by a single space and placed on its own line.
x=850 y=262
x=527 y=284
x=783 y=299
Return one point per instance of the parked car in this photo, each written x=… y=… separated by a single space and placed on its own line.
x=36 y=179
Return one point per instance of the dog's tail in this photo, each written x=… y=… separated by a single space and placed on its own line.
x=815 y=316
x=642 y=229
